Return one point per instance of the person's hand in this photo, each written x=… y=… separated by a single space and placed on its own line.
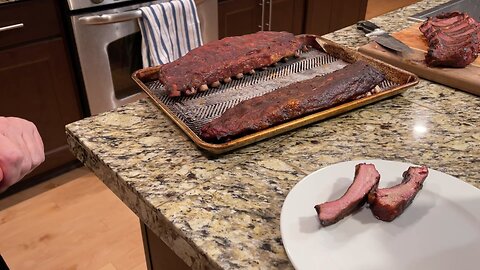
x=21 y=150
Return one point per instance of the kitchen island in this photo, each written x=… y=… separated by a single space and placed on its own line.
x=224 y=212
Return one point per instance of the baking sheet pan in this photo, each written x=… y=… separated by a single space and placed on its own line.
x=192 y=112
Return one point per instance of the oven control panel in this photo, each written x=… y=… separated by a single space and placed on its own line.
x=81 y=4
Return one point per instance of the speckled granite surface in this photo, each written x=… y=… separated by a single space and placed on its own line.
x=224 y=212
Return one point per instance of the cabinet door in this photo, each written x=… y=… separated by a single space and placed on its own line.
x=325 y=16
x=347 y=12
x=36 y=84
x=287 y=15
x=239 y=17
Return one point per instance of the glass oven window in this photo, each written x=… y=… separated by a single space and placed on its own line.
x=124 y=56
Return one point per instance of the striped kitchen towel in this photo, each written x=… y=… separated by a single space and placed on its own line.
x=169 y=31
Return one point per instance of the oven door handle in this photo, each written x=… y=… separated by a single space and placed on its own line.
x=111 y=18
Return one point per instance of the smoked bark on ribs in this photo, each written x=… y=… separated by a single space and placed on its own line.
x=388 y=203
x=222 y=59
x=366 y=179
x=453 y=39
x=293 y=101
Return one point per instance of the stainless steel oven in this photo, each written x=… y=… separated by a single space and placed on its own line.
x=108 y=44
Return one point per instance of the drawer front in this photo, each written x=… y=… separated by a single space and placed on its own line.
x=28 y=20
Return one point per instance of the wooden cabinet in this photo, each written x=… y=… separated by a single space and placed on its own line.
x=28 y=21
x=239 y=17
x=286 y=15
x=157 y=254
x=37 y=81
x=325 y=16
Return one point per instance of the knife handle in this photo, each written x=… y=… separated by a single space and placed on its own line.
x=367 y=26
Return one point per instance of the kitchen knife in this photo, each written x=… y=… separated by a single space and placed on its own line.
x=375 y=33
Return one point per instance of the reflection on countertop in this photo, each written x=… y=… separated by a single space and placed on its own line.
x=224 y=212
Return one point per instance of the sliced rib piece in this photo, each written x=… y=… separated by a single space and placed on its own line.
x=453 y=39
x=226 y=58
x=366 y=179
x=389 y=203
x=446 y=22
x=292 y=101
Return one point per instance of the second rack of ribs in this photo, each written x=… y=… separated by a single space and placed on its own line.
x=222 y=59
x=292 y=101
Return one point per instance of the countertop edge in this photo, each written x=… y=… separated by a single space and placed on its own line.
x=163 y=228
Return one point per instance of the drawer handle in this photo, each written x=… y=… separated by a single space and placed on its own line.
x=11 y=27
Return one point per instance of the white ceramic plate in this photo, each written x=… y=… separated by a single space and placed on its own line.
x=439 y=230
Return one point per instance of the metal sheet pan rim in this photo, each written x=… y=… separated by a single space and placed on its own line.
x=220 y=148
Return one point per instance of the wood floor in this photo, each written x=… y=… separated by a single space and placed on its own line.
x=71 y=222
x=75 y=222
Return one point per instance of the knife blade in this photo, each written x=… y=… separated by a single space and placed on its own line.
x=383 y=38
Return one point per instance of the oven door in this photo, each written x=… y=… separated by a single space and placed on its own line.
x=109 y=51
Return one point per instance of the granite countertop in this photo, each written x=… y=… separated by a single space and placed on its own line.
x=224 y=212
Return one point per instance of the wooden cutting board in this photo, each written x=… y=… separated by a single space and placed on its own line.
x=466 y=79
